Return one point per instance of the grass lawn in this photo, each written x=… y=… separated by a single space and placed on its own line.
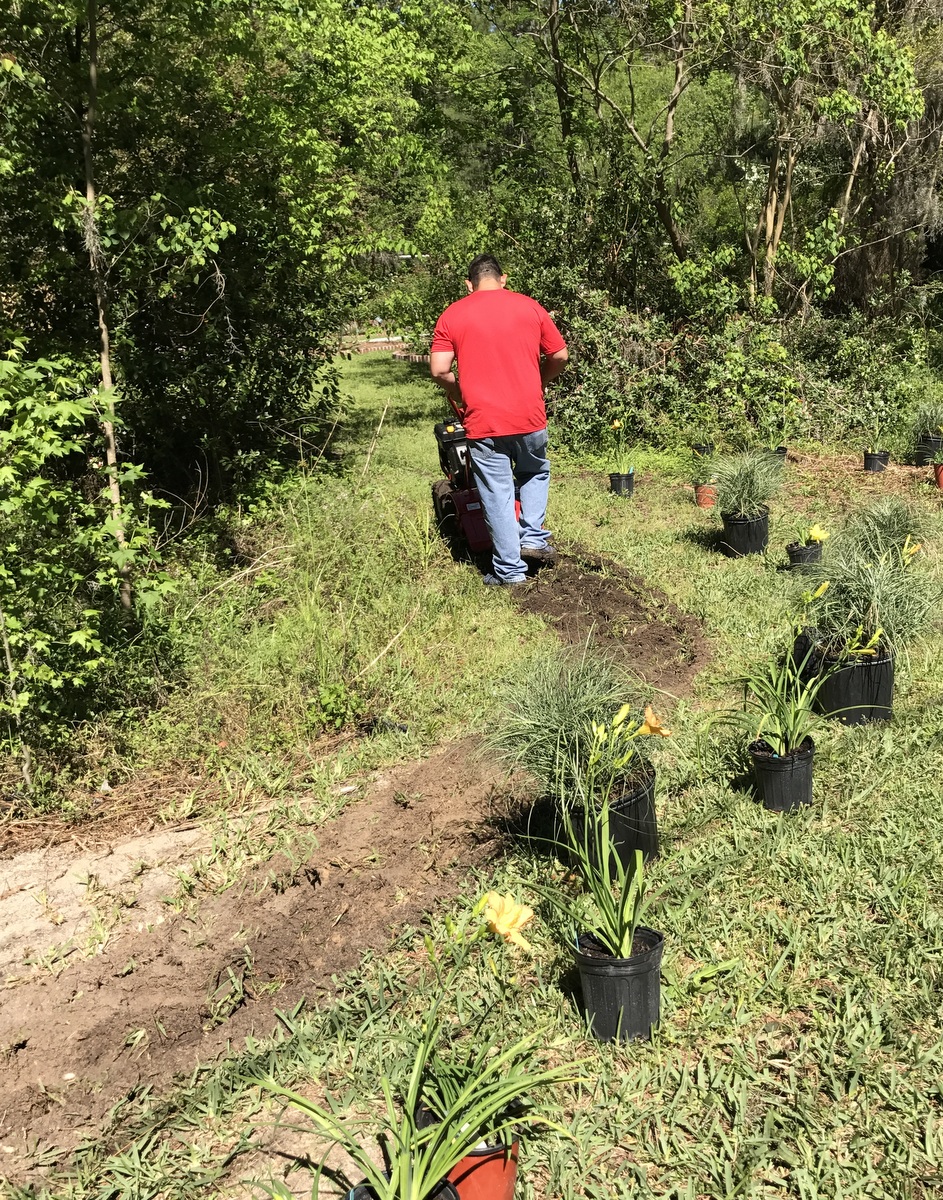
x=800 y=1052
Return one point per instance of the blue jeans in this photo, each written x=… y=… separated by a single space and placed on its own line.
x=498 y=464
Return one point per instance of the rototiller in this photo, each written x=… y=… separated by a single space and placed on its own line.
x=455 y=498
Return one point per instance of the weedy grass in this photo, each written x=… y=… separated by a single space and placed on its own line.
x=800 y=1054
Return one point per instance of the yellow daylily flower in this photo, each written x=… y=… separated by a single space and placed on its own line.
x=821 y=589
x=912 y=547
x=818 y=534
x=507 y=918
x=616 y=424
x=651 y=726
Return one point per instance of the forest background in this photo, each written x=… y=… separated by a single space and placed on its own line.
x=732 y=210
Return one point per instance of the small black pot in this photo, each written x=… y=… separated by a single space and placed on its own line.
x=860 y=691
x=928 y=447
x=621 y=996
x=622 y=485
x=781 y=452
x=784 y=783
x=799 y=555
x=745 y=535
x=703 y=449
x=876 y=460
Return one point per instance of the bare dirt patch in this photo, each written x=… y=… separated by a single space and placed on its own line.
x=162 y=998
x=588 y=597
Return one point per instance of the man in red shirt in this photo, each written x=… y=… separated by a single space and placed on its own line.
x=507 y=349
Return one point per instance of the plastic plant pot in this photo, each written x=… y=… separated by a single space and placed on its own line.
x=938 y=474
x=745 y=535
x=860 y=691
x=781 y=452
x=621 y=996
x=633 y=824
x=363 y=1191
x=705 y=495
x=784 y=782
x=876 y=460
x=703 y=449
x=928 y=447
x=622 y=484
x=799 y=555
x=486 y=1174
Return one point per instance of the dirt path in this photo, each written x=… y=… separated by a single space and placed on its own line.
x=172 y=989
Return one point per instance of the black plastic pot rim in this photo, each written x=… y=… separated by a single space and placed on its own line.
x=608 y=964
x=762 y=751
x=741 y=519
x=444 y=1190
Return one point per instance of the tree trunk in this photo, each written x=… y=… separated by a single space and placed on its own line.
x=562 y=92
x=93 y=246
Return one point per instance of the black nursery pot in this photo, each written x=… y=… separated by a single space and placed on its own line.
x=633 y=824
x=703 y=449
x=745 y=535
x=781 y=452
x=783 y=782
x=622 y=485
x=876 y=460
x=799 y=555
x=860 y=691
x=621 y=996
x=928 y=447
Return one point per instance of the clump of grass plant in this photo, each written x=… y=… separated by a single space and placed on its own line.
x=858 y=603
x=746 y=482
x=885 y=526
x=545 y=727
x=927 y=420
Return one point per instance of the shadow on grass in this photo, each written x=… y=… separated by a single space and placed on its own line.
x=707 y=539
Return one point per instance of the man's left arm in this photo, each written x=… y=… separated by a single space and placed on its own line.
x=552 y=364
x=440 y=366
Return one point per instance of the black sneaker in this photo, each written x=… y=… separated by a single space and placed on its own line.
x=539 y=554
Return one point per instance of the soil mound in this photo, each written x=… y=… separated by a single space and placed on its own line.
x=585 y=596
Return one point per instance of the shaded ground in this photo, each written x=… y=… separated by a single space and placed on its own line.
x=585 y=596
x=161 y=998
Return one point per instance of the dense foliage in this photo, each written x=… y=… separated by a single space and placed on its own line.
x=732 y=211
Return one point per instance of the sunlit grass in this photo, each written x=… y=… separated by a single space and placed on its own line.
x=801 y=1049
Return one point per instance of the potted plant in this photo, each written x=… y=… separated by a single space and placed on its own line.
x=705 y=493
x=618 y=958
x=420 y=1154
x=611 y=771
x=550 y=726
x=807 y=548
x=874 y=459
x=703 y=449
x=745 y=483
x=622 y=480
x=489 y=1171
x=860 y=611
x=779 y=712
x=927 y=432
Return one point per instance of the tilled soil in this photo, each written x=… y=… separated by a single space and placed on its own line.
x=163 y=997
x=588 y=597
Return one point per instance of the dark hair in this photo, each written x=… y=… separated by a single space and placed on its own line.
x=482 y=266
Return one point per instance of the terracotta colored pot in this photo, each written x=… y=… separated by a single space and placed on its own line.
x=938 y=474
x=486 y=1174
x=705 y=495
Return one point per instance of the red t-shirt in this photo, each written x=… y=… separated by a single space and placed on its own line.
x=498 y=337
